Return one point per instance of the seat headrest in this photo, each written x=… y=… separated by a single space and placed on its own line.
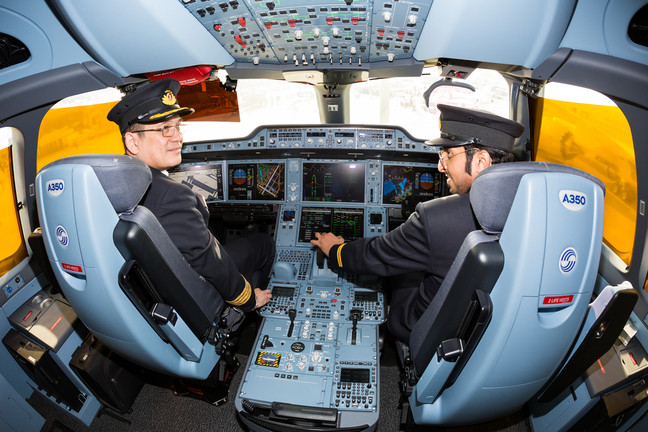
x=125 y=179
x=493 y=191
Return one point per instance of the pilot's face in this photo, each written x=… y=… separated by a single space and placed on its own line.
x=453 y=164
x=150 y=144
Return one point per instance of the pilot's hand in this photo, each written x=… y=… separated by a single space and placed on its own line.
x=262 y=297
x=326 y=241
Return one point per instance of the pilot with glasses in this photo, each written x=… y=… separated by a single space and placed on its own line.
x=427 y=243
x=150 y=120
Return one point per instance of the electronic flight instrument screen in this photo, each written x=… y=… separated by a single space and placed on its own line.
x=205 y=180
x=255 y=181
x=401 y=181
x=345 y=222
x=333 y=182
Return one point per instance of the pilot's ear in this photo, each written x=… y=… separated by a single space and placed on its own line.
x=483 y=160
x=131 y=143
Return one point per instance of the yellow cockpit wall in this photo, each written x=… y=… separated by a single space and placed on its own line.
x=77 y=130
x=12 y=247
x=595 y=138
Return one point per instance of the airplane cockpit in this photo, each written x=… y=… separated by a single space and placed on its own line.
x=325 y=117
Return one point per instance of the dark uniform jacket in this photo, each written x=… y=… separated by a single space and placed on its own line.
x=185 y=217
x=427 y=242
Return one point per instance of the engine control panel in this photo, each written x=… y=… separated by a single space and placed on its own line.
x=315 y=293
x=318 y=343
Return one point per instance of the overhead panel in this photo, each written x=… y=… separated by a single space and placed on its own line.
x=292 y=33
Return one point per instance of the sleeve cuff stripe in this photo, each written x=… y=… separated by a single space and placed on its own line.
x=339 y=254
x=244 y=296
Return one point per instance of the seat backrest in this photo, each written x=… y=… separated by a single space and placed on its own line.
x=515 y=298
x=114 y=262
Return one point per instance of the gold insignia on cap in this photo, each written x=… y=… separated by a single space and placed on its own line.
x=165 y=113
x=168 y=98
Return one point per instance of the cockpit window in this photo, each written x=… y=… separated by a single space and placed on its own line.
x=390 y=101
x=585 y=129
x=12 y=51
x=638 y=28
x=400 y=101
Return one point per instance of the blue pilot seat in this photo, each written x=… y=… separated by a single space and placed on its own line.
x=514 y=300
x=118 y=268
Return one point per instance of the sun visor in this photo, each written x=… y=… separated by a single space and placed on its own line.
x=211 y=101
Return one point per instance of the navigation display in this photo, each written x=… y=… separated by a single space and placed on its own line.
x=205 y=180
x=348 y=223
x=333 y=181
x=401 y=181
x=255 y=181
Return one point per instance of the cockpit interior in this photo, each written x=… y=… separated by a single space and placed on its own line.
x=314 y=117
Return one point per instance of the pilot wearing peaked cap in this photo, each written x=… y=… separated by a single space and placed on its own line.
x=150 y=103
x=463 y=126
x=428 y=242
x=149 y=119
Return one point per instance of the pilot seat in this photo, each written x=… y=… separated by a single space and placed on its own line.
x=126 y=280
x=514 y=300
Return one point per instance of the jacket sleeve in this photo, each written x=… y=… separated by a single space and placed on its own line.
x=180 y=217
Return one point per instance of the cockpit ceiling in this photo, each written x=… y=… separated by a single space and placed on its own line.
x=267 y=38
x=293 y=35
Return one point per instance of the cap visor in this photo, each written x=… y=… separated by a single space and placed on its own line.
x=445 y=142
x=156 y=118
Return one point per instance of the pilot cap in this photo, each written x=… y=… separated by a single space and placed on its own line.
x=463 y=126
x=149 y=103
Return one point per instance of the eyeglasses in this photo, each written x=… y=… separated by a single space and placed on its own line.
x=167 y=131
x=444 y=156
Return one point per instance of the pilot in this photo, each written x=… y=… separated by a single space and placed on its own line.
x=429 y=240
x=150 y=123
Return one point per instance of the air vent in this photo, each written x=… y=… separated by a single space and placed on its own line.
x=638 y=28
x=12 y=51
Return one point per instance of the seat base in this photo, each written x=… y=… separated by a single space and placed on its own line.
x=213 y=390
